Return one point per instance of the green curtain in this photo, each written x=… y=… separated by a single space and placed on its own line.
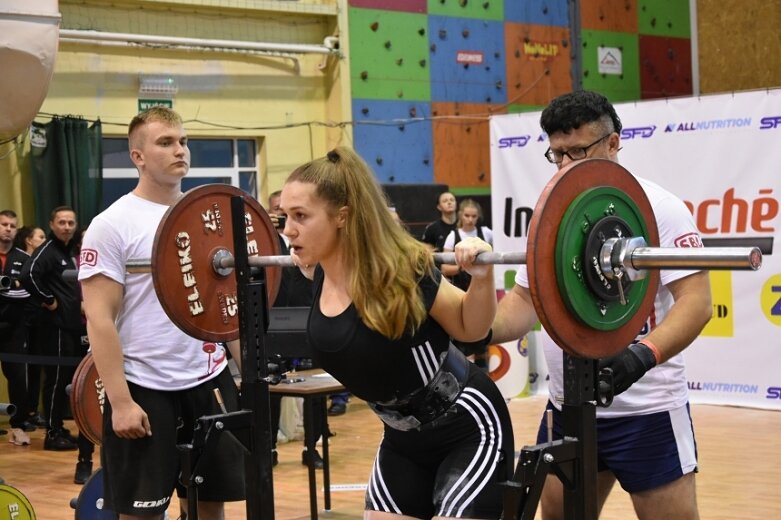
x=66 y=160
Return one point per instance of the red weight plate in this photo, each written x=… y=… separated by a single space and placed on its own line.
x=566 y=329
x=198 y=299
x=87 y=398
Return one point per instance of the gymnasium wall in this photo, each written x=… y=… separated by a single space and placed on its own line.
x=220 y=94
x=426 y=75
x=419 y=80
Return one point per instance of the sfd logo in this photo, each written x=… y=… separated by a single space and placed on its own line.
x=88 y=257
x=688 y=240
x=769 y=123
x=773 y=392
x=518 y=141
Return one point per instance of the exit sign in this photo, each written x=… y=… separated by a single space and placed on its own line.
x=144 y=104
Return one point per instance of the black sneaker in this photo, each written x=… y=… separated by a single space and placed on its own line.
x=337 y=409
x=274 y=458
x=83 y=471
x=316 y=460
x=28 y=426
x=38 y=420
x=55 y=441
x=65 y=432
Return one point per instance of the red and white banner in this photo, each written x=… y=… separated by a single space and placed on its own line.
x=721 y=155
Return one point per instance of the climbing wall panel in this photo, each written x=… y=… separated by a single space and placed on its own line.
x=482 y=9
x=609 y=15
x=394 y=137
x=388 y=55
x=538 y=63
x=601 y=50
x=411 y=6
x=665 y=67
x=539 y=12
x=665 y=17
x=461 y=144
x=518 y=109
x=467 y=60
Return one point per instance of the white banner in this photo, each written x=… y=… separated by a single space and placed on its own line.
x=721 y=155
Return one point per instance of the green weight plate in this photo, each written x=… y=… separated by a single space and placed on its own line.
x=563 y=325
x=583 y=214
x=14 y=505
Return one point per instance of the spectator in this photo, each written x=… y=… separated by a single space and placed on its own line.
x=28 y=238
x=62 y=326
x=470 y=215
x=13 y=327
x=436 y=232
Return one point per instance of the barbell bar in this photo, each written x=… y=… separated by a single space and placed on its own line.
x=589 y=283
x=638 y=257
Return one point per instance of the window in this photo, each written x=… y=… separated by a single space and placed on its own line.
x=212 y=161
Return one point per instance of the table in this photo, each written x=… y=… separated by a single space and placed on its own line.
x=314 y=386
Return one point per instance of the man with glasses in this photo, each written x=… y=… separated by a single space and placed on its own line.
x=645 y=439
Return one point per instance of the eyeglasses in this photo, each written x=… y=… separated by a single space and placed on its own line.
x=575 y=154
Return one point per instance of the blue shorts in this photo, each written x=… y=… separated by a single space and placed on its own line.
x=643 y=451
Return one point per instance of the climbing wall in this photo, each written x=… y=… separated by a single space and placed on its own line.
x=461 y=154
x=426 y=75
x=538 y=63
x=467 y=60
x=394 y=138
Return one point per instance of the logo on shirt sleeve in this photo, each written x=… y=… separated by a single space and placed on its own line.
x=688 y=240
x=88 y=257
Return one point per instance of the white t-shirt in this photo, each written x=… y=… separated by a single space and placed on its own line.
x=663 y=387
x=450 y=240
x=157 y=354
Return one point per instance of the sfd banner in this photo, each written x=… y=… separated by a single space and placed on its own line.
x=720 y=154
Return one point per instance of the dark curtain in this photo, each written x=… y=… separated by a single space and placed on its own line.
x=66 y=161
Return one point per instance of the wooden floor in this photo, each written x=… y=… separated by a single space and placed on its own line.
x=740 y=467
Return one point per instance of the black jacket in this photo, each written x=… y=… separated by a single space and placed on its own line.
x=42 y=277
x=13 y=301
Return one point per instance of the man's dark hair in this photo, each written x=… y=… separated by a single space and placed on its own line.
x=570 y=111
x=9 y=213
x=58 y=209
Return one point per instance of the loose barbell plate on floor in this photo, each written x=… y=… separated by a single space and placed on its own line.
x=198 y=299
x=567 y=329
x=13 y=504
x=89 y=503
x=87 y=399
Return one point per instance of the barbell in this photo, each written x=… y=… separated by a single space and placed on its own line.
x=592 y=257
x=592 y=273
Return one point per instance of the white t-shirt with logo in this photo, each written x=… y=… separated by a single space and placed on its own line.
x=450 y=240
x=664 y=387
x=158 y=355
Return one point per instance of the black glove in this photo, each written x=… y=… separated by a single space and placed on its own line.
x=629 y=366
x=474 y=347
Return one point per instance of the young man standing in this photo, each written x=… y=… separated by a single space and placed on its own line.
x=158 y=380
x=645 y=439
